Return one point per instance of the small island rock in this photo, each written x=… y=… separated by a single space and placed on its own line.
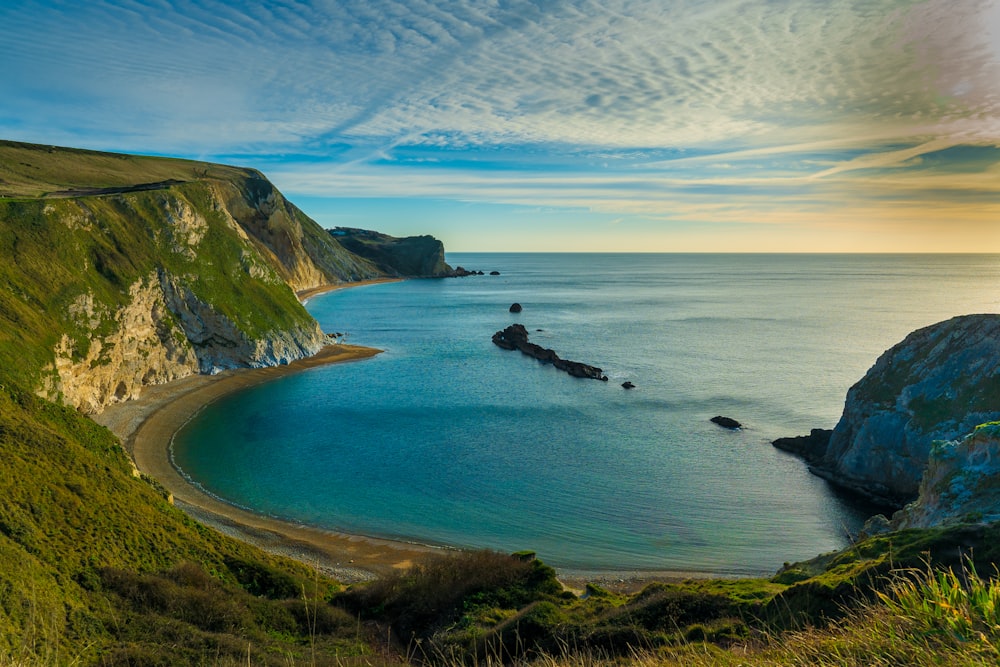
x=494 y=273
x=628 y=385
x=726 y=422
x=515 y=308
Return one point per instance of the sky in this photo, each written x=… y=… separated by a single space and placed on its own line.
x=549 y=125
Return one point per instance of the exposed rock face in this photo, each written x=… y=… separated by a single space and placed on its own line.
x=145 y=346
x=937 y=384
x=303 y=253
x=220 y=344
x=515 y=337
x=962 y=483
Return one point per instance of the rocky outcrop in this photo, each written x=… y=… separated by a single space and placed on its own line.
x=937 y=384
x=303 y=254
x=144 y=346
x=810 y=447
x=726 y=422
x=219 y=343
x=515 y=337
x=961 y=484
x=515 y=308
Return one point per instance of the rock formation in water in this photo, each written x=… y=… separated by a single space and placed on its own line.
x=515 y=337
x=937 y=384
x=726 y=422
x=124 y=271
x=810 y=447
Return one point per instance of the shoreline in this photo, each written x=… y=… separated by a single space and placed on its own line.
x=146 y=427
x=306 y=294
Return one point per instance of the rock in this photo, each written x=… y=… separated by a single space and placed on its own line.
x=628 y=385
x=810 y=447
x=960 y=484
x=515 y=308
x=937 y=384
x=494 y=273
x=726 y=422
x=515 y=337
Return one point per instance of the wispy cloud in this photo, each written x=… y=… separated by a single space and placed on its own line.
x=627 y=106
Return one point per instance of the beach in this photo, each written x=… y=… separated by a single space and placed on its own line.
x=146 y=427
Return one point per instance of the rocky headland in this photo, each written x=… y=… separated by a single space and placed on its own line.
x=938 y=384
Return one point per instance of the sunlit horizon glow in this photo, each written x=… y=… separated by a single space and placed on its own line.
x=581 y=125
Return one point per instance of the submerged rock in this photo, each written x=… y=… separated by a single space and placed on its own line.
x=726 y=422
x=627 y=385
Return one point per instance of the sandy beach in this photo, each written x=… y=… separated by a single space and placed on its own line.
x=147 y=425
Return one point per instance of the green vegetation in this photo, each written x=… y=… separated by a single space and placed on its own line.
x=32 y=171
x=97 y=567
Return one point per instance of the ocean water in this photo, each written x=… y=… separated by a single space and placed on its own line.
x=447 y=439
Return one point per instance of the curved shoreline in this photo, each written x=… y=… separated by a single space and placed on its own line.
x=147 y=426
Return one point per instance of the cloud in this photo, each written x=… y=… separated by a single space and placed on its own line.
x=634 y=107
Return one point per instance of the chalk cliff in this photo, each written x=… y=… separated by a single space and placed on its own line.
x=937 y=384
x=125 y=271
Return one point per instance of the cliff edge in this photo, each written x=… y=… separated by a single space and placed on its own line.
x=939 y=383
x=124 y=271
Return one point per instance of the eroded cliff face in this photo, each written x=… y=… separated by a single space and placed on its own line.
x=304 y=254
x=937 y=384
x=961 y=485
x=143 y=346
x=107 y=293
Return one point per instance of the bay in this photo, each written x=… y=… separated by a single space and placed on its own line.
x=446 y=439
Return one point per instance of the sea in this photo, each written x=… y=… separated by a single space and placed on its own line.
x=446 y=439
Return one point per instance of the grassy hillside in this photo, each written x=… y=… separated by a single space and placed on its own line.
x=32 y=170
x=97 y=567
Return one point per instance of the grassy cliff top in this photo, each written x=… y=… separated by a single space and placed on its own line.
x=31 y=171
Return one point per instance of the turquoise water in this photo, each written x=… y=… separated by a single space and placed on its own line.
x=447 y=439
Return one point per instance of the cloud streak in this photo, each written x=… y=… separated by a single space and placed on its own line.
x=634 y=107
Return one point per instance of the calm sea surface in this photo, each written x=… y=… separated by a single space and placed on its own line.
x=447 y=439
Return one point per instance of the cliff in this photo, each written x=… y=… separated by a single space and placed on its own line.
x=409 y=257
x=937 y=384
x=124 y=271
x=961 y=483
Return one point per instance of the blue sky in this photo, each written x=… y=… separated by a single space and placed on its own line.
x=625 y=125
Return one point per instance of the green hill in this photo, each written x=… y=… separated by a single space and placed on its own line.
x=121 y=271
